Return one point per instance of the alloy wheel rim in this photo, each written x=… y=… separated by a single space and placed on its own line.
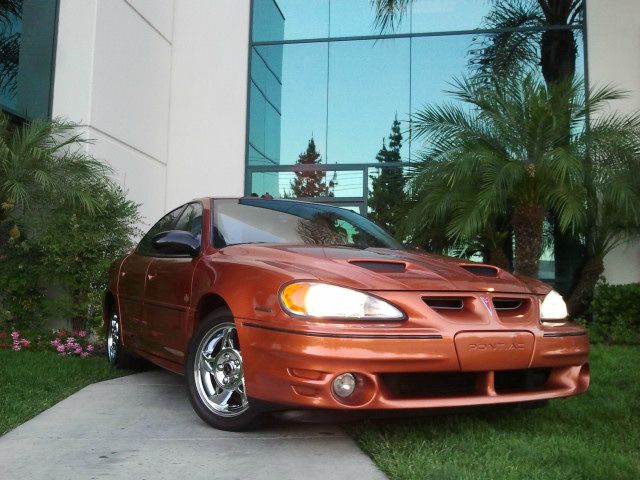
x=219 y=373
x=113 y=337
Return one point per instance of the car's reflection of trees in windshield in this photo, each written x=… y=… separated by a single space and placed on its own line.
x=327 y=225
x=322 y=229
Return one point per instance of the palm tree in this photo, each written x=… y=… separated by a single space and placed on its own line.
x=518 y=43
x=553 y=49
x=506 y=154
x=518 y=40
x=613 y=202
x=44 y=160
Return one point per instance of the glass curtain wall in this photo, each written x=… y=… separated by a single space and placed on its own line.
x=27 y=45
x=332 y=93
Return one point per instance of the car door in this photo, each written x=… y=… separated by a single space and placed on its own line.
x=168 y=293
x=133 y=279
x=131 y=292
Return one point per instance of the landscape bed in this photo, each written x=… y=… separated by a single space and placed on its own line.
x=596 y=435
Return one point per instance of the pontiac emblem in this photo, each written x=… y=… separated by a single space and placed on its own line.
x=496 y=346
x=487 y=303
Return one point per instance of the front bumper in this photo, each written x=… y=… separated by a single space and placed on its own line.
x=414 y=370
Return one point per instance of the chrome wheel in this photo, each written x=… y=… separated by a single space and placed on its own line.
x=218 y=372
x=113 y=337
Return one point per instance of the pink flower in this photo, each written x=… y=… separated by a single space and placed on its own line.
x=82 y=333
x=90 y=348
x=60 y=348
x=84 y=354
x=16 y=347
x=71 y=340
x=15 y=335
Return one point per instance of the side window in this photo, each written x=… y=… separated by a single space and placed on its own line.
x=191 y=220
x=165 y=223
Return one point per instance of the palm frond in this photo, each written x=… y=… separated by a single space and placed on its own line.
x=505 y=52
x=47 y=159
x=388 y=14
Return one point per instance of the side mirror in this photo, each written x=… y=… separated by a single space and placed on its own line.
x=176 y=242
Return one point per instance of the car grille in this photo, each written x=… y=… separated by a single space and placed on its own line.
x=470 y=308
x=455 y=384
x=444 y=303
x=507 y=304
x=430 y=384
x=530 y=379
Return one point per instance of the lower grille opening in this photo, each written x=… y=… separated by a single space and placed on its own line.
x=445 y=384
x=457 y=384
x=506 y=381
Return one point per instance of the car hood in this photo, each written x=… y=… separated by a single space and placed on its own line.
x=385 y=269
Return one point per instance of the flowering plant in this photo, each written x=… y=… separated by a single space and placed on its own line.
x=17 y=342
x=64 y=342
x=75 y=343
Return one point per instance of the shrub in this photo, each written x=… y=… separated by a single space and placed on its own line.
x=62 y=222
x=59 y=269
x=616 y=314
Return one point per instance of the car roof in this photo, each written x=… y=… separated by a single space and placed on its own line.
x=248 y=197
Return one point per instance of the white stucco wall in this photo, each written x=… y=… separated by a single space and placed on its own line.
x=160 y=85
x=613 y=30
x=208 y=99
x=113 y=76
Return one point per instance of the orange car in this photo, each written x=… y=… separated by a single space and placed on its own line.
x=266 y=303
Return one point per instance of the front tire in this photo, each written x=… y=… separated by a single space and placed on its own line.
x=215 y=375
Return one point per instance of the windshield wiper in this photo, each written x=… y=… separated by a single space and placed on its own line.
x=360 y=246
x=243 y=243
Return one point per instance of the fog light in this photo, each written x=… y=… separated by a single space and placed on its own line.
x=344 y=385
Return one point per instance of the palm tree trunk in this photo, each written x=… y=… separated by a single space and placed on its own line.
x=558 y=55
x=558 y=63
x=582 y=294
x=527 y=224
x=498 y=258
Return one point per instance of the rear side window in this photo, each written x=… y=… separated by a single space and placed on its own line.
x=167 y=222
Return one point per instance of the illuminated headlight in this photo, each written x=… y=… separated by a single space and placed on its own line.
x=321 y=300
x=553 y=307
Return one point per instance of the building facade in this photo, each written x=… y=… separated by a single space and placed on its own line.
x=186 y=98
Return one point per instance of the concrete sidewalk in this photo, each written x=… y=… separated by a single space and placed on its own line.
x=142 y=427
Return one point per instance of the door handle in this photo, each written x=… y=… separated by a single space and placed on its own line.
x=151 y=276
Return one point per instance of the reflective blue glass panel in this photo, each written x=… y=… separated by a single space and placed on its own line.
x=290 y=19
x=27 y=43
x=369 y=86
x=358 y=18
x=288 y=101
x=450 y=15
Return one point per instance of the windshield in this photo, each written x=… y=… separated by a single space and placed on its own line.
x=256 y=220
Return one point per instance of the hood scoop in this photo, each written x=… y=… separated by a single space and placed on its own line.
x=481 y=270
x=380 y=267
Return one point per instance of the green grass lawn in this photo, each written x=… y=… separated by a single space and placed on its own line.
x=32 y=381
x=593 y=436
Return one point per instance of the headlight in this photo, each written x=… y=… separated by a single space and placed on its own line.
x=321 y=300
x=553 y=307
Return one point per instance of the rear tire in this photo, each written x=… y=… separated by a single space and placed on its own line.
x=116 y=354
x=215 y=376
